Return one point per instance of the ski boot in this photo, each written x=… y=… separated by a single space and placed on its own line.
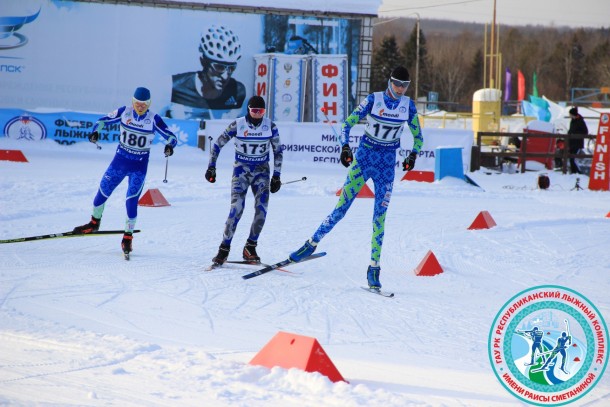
x=223 y=253
x=249 y=253
x=92 y=226
x=372 y=276
x=306 y=250
x=126 y=244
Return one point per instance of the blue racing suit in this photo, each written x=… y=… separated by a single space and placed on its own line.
x=137 y=134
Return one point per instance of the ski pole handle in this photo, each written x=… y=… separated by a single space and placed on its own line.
x=296 y=180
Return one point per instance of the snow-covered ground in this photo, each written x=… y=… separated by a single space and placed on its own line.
x=80 y=326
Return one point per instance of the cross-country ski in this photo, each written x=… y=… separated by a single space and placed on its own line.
x=64 y=234
x=281 y=264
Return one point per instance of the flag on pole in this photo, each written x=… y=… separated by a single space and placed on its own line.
x=507 y=85
x=535 y=85
x=520 y=86
x=542 y=110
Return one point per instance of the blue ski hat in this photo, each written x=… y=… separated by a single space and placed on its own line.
x=142 y=94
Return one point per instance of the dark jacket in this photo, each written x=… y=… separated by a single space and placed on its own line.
x=577 y=126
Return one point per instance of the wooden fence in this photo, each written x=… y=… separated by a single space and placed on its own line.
x=500 y=154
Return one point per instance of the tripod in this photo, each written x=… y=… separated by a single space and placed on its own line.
x=577 y=185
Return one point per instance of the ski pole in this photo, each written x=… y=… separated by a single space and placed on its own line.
x=331 y=126
x=98 y=146
x=296 y=180
x=166 y=163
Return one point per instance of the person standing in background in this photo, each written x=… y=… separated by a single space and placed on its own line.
x=577 y=126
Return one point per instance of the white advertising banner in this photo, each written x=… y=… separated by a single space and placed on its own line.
x=289 y=78
x=317 y=143
x=330 y=88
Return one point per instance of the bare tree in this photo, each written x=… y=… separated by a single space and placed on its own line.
x=562 y=58
x=449 y=66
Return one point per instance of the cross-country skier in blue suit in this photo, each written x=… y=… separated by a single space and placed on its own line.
x=138 y=126
x=386 y=113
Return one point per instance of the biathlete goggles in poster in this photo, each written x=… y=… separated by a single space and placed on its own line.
x=400 y=84
x=257 y=110
x=219 y=68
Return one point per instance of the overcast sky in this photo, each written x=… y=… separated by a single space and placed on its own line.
x=572 y=13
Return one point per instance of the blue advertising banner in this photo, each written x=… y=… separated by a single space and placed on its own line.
x=71 y=127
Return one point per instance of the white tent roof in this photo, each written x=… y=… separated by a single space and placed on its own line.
x=365 y=7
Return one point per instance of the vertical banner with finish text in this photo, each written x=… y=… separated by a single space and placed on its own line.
x=600 y=167
x=262 y=78
x=329 y=74
x=289 y=78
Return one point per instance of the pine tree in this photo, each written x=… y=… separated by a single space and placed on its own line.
x=385 y=58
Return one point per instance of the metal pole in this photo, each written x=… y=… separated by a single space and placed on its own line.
x=417 y=62
x=492 y=43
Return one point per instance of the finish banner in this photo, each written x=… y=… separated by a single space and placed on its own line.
x=599 y=175
x=330 y=88
x=262 y=78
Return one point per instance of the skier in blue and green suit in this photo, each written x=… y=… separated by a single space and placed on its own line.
x=386 y=114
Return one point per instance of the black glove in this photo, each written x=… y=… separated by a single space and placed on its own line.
x=409 y=162
x=210 y=174
x=346 y=156
x=169 y=150
x=94 y=137
x=276 y=184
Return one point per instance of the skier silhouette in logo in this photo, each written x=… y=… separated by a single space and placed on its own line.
x=536 y=336
x=560 y=347
x=25 y=133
